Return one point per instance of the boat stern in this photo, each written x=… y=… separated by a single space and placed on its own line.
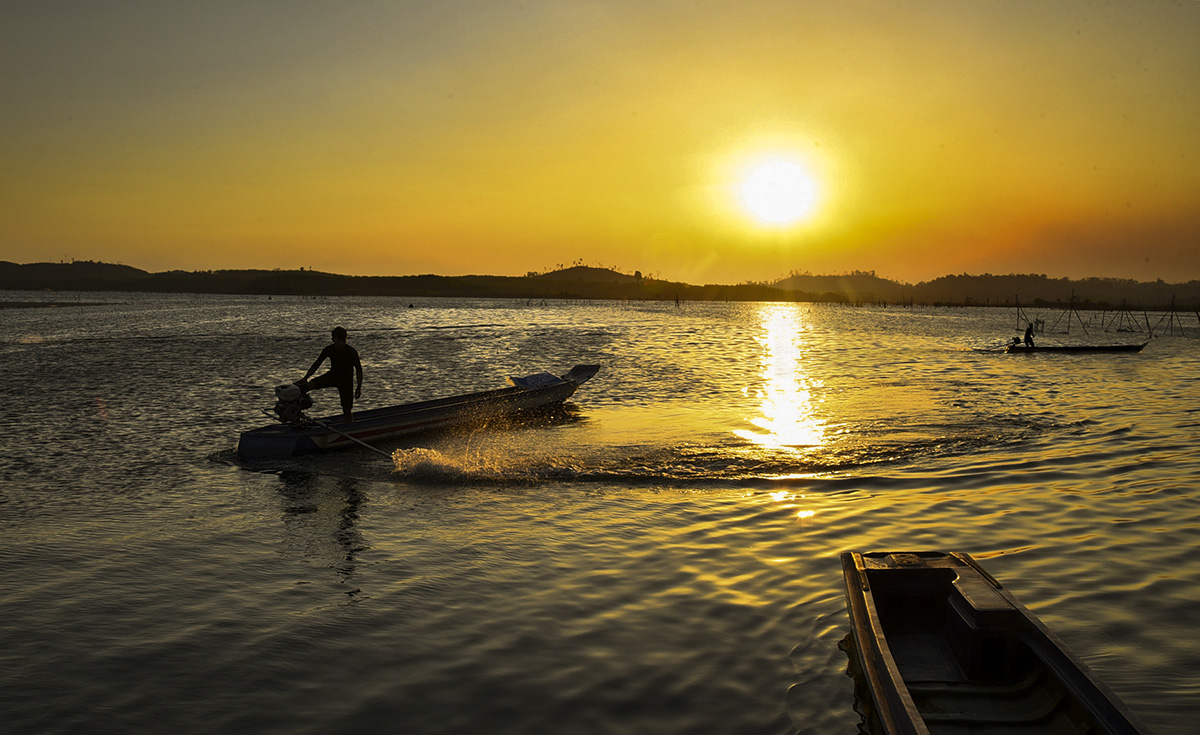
x=268 y=443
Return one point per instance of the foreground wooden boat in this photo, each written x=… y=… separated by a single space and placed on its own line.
x=307 y=436
x=1076 y=348
x=940 y=646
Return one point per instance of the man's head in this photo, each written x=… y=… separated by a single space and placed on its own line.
x=339 y=334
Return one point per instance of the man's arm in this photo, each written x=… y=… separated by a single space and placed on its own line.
x=317 y=364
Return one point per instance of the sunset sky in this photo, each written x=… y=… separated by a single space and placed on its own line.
x=927 y=137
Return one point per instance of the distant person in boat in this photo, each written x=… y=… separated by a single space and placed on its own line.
x=1029 y=336
x=344 y=368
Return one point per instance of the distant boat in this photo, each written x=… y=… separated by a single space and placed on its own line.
x=939 y=646
x=300 y=435
x=1075 y=348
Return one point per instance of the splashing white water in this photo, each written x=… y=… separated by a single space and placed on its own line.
x=424 y=462
x=495 y=463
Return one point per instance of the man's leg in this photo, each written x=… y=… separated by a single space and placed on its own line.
x=317 y=383
x=346 y=393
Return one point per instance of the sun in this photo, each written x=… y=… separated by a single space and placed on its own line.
x=778 y=191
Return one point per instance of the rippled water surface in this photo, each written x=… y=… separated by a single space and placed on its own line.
x=660 y=557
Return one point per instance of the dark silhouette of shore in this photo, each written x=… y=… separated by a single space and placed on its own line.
x=584 y=282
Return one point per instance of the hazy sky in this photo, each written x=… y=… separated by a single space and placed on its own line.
x=456 y=137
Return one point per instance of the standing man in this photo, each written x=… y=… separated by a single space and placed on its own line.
x=344 y=367
x=1029 y=335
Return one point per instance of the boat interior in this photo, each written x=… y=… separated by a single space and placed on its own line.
x=971 y=660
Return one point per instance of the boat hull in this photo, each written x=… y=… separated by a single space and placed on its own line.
x=1023 y=349
x=279 y=441
x=939 y=646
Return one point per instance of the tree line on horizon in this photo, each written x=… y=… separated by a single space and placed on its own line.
x=586 y=282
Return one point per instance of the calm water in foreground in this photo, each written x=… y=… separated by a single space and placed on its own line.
x=662 y=558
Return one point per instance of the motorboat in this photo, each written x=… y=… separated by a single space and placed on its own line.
x=297 y=434
x=1026 y=349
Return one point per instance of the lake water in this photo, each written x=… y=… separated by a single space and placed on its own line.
x=663 y=558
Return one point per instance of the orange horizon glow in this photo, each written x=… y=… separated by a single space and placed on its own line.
x=939 y=137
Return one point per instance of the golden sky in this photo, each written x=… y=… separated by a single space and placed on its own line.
x=495 y=137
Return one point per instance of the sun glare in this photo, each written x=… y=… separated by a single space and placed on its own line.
x=786 y=403
x=778 y=192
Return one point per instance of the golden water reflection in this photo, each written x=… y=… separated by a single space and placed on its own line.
x=786 y=404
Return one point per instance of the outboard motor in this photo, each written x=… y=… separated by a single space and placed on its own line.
x=290 y=405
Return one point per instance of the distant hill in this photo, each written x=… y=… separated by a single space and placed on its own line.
x=586 y=274
x=856 y=287
x=585 y=282
x=1040 y=289
x=577 y=282
x=78 y=275
x=1009 y=290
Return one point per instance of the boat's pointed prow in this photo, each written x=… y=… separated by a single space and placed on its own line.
x=580 y=374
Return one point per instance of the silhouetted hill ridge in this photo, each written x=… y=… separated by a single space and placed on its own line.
x=589 y=273
x=586 y=282
x=76 y=270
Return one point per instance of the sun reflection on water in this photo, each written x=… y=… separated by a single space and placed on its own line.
x=788 y=418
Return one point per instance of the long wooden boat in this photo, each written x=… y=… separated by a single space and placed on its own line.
x=1075 y=348
x=940 y=646
x=307 y=436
